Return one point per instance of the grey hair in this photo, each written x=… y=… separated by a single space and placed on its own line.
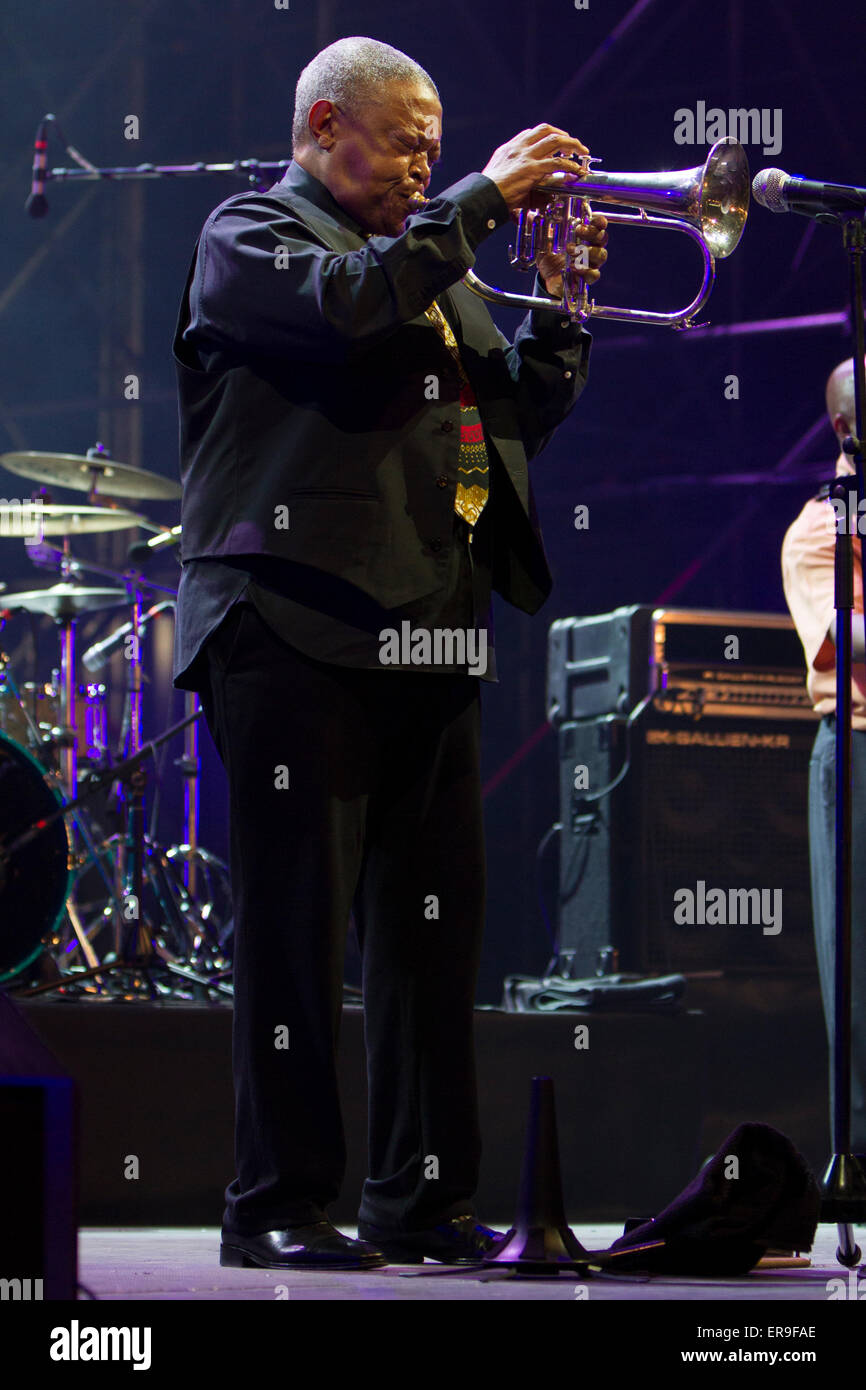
x=348 y=73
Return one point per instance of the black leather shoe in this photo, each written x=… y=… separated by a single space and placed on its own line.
x=317 y=1246
x=461 y=1241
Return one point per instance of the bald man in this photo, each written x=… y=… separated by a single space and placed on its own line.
x=807 y=570
x=355 y=442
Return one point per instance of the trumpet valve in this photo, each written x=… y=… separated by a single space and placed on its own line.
x=523 y=253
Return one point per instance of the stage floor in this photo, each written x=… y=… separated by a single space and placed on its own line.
x=182 y=1263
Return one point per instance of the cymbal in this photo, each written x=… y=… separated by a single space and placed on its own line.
x=75 y=471
x=65 y=519
x=65 y=600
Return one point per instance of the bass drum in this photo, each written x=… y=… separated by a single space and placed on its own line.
x=36 y=880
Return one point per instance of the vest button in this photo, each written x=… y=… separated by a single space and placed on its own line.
x=447 y=426
x=442 y=480
x=436 y=544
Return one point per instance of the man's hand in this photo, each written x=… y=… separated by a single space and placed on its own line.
x=518 y=167
x=550 y=266
x=524 y=161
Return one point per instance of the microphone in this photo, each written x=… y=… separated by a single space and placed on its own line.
x=94 y=658
x=145 y=550
x=826 y=202
x=36 y=204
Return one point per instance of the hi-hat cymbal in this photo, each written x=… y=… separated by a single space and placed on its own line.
x=66 y=600
x=82 y=474
x=64 y=519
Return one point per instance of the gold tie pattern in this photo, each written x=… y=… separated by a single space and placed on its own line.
x=472 y=460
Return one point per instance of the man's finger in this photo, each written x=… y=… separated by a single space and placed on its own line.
x=596 y=253
x=593 y=236
x=559 y=139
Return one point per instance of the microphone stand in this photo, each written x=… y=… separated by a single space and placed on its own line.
x=843 y=1187
x=252 y=168
x=259 y=173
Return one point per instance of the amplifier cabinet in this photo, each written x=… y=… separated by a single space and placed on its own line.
x=684 y=843
x=694 y=662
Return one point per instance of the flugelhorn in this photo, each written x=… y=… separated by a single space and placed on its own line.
x=708 y=203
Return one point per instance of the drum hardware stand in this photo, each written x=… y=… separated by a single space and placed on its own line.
x=844 y=1183
x=79 y=820
x=181 y=921
x=97 y=453
x=67 y=738
x=190 y=767
x=67 y=741
x=128 y=886
x=141 y=966
x=131 y=865
x=130 y=862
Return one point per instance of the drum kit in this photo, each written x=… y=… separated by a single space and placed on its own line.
x=92 y=904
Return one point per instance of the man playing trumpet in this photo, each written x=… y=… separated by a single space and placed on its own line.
x=355 y=435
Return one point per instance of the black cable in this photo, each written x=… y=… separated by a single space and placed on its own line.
x=577 y=802
x=614 y=783
x=539 y=893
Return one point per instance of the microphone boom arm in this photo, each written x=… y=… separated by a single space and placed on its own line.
x=254 y=169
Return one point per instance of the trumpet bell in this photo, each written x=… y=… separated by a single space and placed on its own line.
x=723 y=193
x=720 y=200
x=714 y=196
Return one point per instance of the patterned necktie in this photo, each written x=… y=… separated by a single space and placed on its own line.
x=472 y=462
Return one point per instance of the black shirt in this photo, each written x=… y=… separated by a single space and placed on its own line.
x=329 y=620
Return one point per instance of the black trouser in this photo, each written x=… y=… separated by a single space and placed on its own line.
x=382 y=810
x=822 y=846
